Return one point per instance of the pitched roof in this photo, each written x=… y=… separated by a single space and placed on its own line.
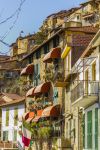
x=90 y=48
x=9 y=99
x=63 y=13
x=13 y=96
x=85 y=29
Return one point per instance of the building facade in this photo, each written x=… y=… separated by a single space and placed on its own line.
x=12 y=108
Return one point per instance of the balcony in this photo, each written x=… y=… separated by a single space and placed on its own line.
x=59 y=76
x=85 y=93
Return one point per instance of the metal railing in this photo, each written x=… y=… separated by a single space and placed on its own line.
x=85 y=88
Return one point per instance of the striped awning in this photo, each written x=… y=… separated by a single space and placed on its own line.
x=28 y=70
x=31 y=115
x=39 y=113
x=30 y=93
x=54 y=53
x=51 y=111
x=42 y=88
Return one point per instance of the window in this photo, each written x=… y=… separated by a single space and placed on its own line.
x=30 y=59
x=15 y=135
x=38 y=53
x=96 y=128
x=56 y=41
x=55 y=95
x=89 y=129
x=46 y=48
x=5 y=135
x=78 y=17
x=36 y=74
x=7 y=117
x=15 y=116
x=94 y=71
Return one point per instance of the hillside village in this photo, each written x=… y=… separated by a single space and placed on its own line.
x=50 y=84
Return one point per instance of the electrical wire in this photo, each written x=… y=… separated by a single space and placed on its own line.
x=12 y=26
x=10 y=17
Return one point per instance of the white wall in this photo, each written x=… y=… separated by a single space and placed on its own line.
x=10 y=128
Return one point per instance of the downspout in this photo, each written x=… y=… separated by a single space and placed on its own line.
x=99 y=102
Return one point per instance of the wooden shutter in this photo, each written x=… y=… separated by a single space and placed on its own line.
x=15 y=116
x=94 y=71
x=96 y=128
x=7 y=117
x=15 y=135
x=89 y=129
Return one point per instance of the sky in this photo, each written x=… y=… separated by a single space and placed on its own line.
x=30 y=18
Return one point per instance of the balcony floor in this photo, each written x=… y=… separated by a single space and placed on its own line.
x=85 y=101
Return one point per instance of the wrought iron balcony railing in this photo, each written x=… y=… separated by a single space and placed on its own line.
x=85 y=88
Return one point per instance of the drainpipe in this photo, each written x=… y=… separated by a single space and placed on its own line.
x=99 y=102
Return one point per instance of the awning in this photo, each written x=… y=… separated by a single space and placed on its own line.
x=55 y=53
x=25 y=116
x=28 y=70
x=51 y=111
x=31 y=115
x=30 y=93
x=42 y=88
x=39 y=113
x=65 y=52
x=28 y=115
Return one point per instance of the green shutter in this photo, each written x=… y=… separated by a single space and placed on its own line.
x=15 y=135
x=7 y=116
x=84 y=131
x=5 y=135
x=96 y=128
x=15 y=116
x=89 y=129
x=55 y=95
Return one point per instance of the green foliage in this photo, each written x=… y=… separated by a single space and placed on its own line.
x=44 y=132
x=40 y=37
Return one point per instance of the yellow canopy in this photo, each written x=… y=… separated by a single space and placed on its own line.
x=65 y=52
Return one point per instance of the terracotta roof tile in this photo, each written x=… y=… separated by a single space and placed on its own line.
x=86 y=29
x=13 y=96
x=81 y=40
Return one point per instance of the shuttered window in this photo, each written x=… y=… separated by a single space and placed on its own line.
x=36 y=74
x=5 y=135
x=55 y=95
x=96 y=128
x=89 y=129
